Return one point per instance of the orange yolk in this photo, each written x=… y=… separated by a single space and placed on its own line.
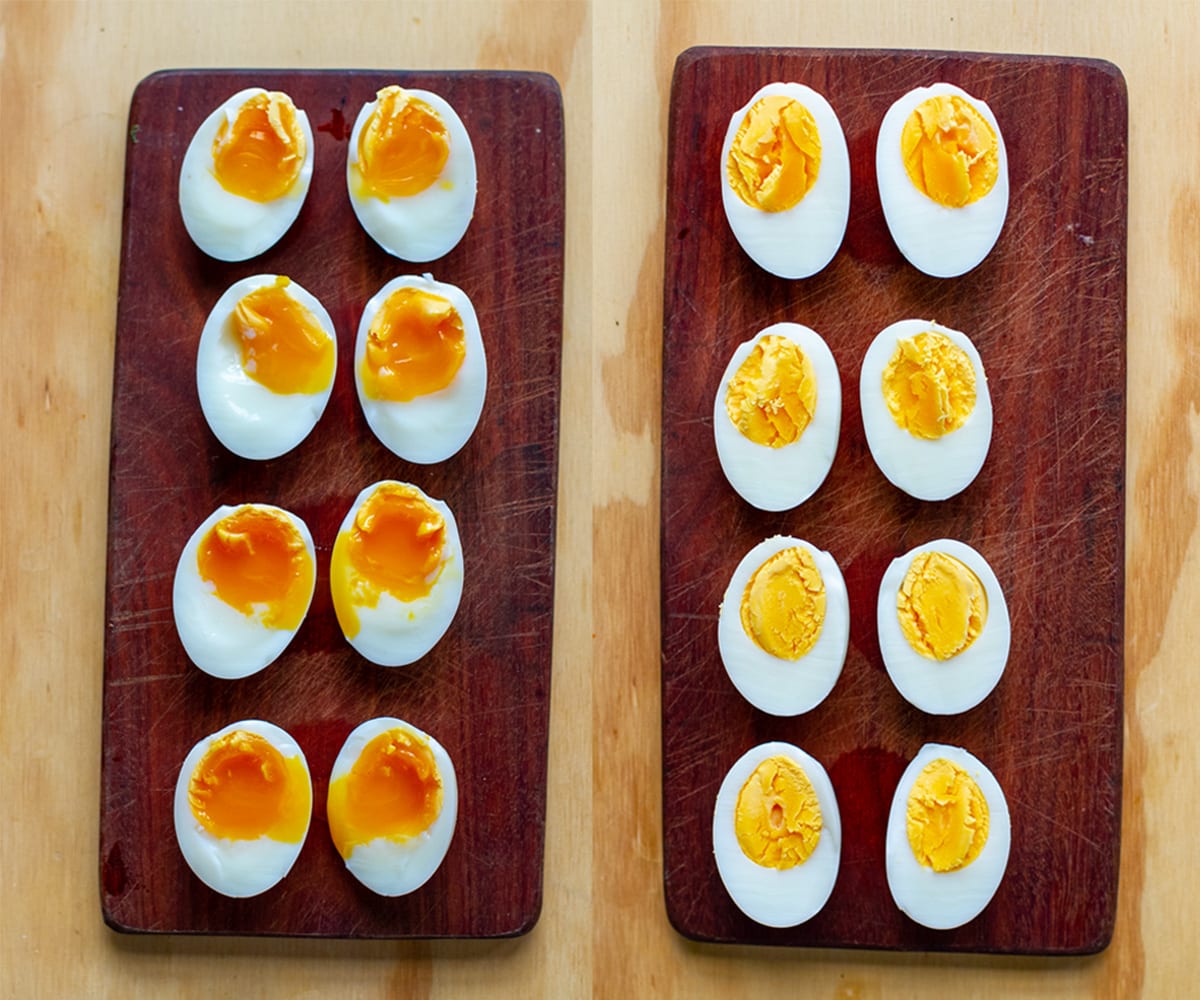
x=393 y=791
x=403 y=146
x=776 y=154
x=283 y=344
x=260 y=153
x=950 y=151
x=259 y=564
x=243 y=789
x=415 y=346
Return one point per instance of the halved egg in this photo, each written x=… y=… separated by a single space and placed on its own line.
x=245 y=174
x=785 y=180
x=392 y=806
x=948 y=837
x=243 y=802
x=777 y=835
x=784 y=626
x=410 y=171
x=243 y=585
x=942 y=170
x=777 y=416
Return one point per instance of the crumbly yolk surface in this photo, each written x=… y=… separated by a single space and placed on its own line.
x=950 y=151
x=402 y=148
x=775 y=155
x=929 y=385
x=947 y=817
x=259 y=154
x=772 y=397
x=783 y=606
x=283 y=345
x=777 y=817
x=415 y=346
x=941 y=604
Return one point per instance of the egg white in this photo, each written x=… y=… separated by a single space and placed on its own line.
x=942 y=242
x=224 y=225
x=776 y=479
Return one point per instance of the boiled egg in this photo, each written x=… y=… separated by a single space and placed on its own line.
x=245 y=174
x=420 y=368
x=926 y=408
x=396 y=573
x=410 y=171
x=777 y=416
x=243 y=802
x=948 y=837
x=784 y=626
x=785 y=180
x=392 y=806
x=243 y=585
x=777 y=835
x=942 y=171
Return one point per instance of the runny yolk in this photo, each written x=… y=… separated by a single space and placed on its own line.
x=259 y=564
x=929 y=385
x=283 y=344
x=393 y=791
x=259 y=154
x=950 y=151
x=415 y=346
x=941 y=604
x=244 y=788
x=783 y=607
x=402 y=148
x=773 y=395
x=775 y=155
x=777 y=817
x=947 y=817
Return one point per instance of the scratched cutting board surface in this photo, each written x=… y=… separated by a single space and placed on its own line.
x=1047 y=311
x=483 y=691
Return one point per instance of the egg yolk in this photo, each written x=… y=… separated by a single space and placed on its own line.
x=950 y=151
x=283 y=344
x=259 y=154
x=777 y=817
x=941 y=604
x=775 y=155
x=929 y=385
x=402 y=148
x=244 y=788
x=259 y=564
x=783 y=606
x=773 y=395
x=393 y=791
x=947 y=817
x=415 y=346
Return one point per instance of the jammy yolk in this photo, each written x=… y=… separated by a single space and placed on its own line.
x=415 y=346
x=929 y=385
x=775 y=155
x=947 y=817
x=403 y=146
x=773 y=395
x=783 y=607
x=950 y=151
x=283 y=344
x=777 y=817
x=941 y=604
x=259 y=154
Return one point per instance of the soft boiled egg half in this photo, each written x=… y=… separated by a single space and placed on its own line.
x=777 y=416
x=243 y=802
x=392 y=806
x=777 y=835
x=948 y=837
x=926 y=408
x=410 y=171
x=942 y=171
x=785 y=180
x=245 y=174
x=420 y=368
x=243 y=585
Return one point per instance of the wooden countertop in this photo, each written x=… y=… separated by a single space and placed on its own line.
x=67 y=73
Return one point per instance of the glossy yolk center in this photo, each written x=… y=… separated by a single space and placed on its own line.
x=929 y=385
x=415 y=346
x=941 y=604
x=950 y=151
x=283 y=345
x=783 y=606
x=777 y=817
x=773 y=395
x=403 y=146
x=775 y=155
x=260 y=152
x=947 y=817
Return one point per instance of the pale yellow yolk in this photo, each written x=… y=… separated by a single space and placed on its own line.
x=775 y=155
x=415 y=346
x=283 y=344
x=402 y=148
x=773 y=395
x=950 y=151
x=777 y=817
x=783 y=607
x=929 y=385
x=259 y=564
x=260 y=153
x=941 y=605
x=393 y=791
x=947 y=817
x=243 y=789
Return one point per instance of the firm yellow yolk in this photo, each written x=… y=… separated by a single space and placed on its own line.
x=777 y=816
x=283 y=344
x=783 y=607
x=260 y=153
x=947 y=817
x=773 y=395
x=929 y=385
x=941 y=605
x=775 y=155
x=393 y=791
x=243 y=789
x=258 y=563
x=950 y=151
x=402 y=148
x=415 y=346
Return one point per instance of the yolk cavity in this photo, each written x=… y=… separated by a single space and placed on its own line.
x=950 y=151
x=415 y=346
x=941 y=604
x=929 y=385
x=777 y=816
x=403 y=146
x=773 y=395
x=260 y=153
x=283 y=344
x=947 y=817
x=783 y=607
x=775 y=155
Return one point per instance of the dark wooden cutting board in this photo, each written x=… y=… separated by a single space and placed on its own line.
x=1047 y=311
x=483 y=691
